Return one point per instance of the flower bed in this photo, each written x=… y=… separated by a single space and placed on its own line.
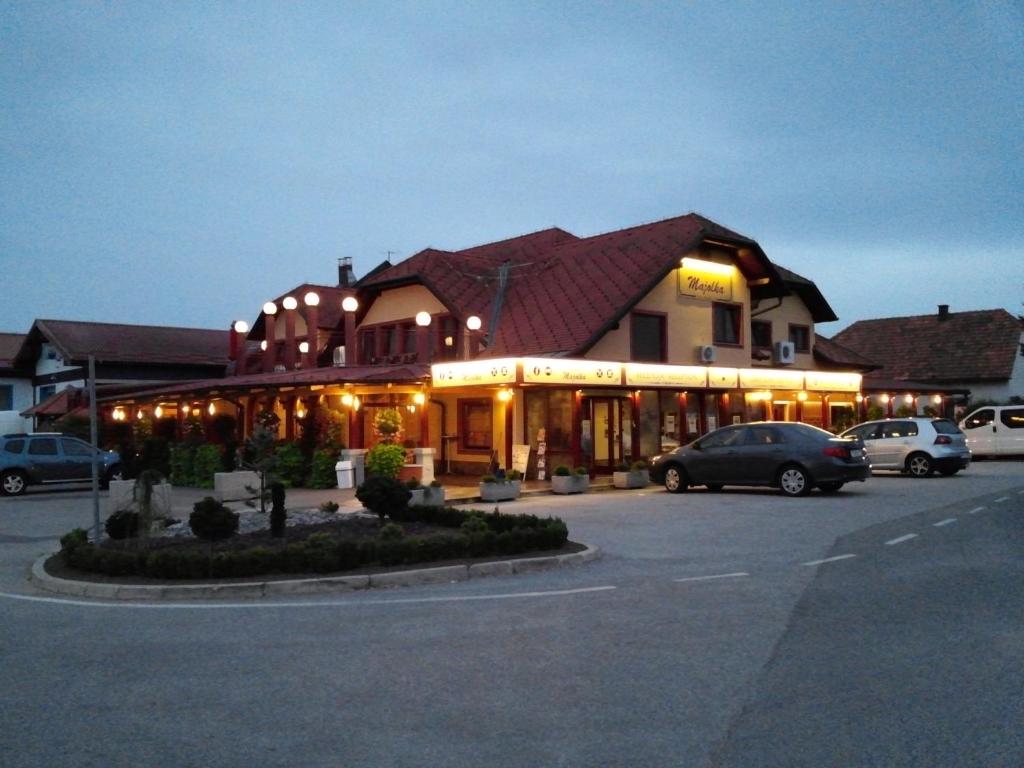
x=438 y=533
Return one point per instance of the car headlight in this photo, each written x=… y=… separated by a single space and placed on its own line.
x=654 y=459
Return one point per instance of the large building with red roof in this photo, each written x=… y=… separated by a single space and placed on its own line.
x=591 y=351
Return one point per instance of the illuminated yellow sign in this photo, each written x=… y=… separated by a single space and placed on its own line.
x=832 y=381
x=771 y=378
x=706 y=279
x=652 y=375
x=473 y=373
x=722 y=378
x=555 y=370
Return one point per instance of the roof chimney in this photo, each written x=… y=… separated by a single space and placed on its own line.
x=943 y=312
x=346 y=277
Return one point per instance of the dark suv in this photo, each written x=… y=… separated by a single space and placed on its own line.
x=51 y=458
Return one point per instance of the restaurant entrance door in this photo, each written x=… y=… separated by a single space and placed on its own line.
x=601 y=433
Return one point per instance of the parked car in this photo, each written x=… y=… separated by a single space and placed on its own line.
x=51 y=458
x=996 y=430
x=918 y=445
x=790 y=456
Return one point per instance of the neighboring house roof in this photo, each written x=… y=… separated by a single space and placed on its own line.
x=552 y=293
x=830 y=352
x=10 y=344
x=119 y=343
x=808 y=292
x=961 y=346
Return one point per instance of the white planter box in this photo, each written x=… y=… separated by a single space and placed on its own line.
x=570 y=483
x=427 y=496
x=506 y=491
x=122 y=497
x=236 y=486
x=638 y=479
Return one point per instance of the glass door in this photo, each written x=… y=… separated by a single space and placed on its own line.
x=602 y=434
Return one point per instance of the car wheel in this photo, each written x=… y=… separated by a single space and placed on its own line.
x=794 y=481
x=919 y=464
x=948 y=472
x=675 y=479
x=715 y=487
x=12 y=483
x=829 y=487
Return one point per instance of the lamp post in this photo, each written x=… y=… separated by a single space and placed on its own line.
x=239 y=332
x=349 y=305
x=422 y=337
x=473 y=324
x=269 y=312
x=312 y=302
x=289 y=304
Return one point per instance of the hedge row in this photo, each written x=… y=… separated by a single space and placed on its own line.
x=323 y=553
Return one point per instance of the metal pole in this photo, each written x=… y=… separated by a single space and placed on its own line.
x=93 y=434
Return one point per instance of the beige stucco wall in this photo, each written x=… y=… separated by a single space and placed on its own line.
x=792 y=310
x=451 y=425
x=402 y=304
x=687 y=323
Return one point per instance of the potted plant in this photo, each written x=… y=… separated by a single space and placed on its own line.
x=501 y=487
x=433 y=494
x=630 y=475
x=565 y=480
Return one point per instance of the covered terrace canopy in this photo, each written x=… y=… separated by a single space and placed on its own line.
x=376 y=374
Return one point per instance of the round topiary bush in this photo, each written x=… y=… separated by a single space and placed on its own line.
x=381 y=494
x=211 y=520
x=123 y=524
x=385 y=459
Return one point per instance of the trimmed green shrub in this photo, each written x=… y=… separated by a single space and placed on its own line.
x=562 y=471
x=385 y=460
x=211 y=520
x=182 y=456
x=323 y=474
x=638 y=466
x=290 y=467
x=123 y=524
x=383 y=495
x=514 y=474
x=206 y=461
x=76 y=537
x=391 y=532
x=488 y=479
x=582 y=471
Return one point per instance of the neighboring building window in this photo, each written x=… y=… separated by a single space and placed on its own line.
x=726 y=320
x=475 y=425
x=6 y=397
x=46 y=391
x=760 y=334
x=800 y=335
x=647 y=337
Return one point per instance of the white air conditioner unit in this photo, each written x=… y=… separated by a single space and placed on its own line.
x=339 y=356
x=706 y=354
x=785 y=353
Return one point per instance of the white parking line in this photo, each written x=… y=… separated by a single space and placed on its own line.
x=1001 y=499
x=353 y=603
x=737 y=575
x=975 y=510
x=829 y=559
x=941 y=523
x=901 y=539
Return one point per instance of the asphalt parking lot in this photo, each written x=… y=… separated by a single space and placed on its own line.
x=714 y=624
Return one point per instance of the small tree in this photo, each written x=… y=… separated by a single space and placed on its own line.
x=212 y=521
x=278 y=515
x=260 y=457
x=142 y=493
x=381 y=494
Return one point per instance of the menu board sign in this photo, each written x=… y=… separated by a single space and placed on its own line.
x=825 y=381
x=771 y=378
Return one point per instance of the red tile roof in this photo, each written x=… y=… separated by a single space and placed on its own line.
x=965 y=346
x=10 y=343
x=831 y=352
x=562 y=292
x=118 y=343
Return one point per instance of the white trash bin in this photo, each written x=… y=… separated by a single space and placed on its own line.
x=345 y=474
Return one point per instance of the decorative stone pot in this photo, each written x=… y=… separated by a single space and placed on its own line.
x=507 y=490
x=427 y=496
x=631 y=479
x=570 y=483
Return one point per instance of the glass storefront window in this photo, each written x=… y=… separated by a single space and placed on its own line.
x=658 y=422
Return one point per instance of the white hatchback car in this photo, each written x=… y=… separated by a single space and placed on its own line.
x=919 y=445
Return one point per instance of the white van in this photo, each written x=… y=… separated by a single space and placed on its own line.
x=995 y=430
